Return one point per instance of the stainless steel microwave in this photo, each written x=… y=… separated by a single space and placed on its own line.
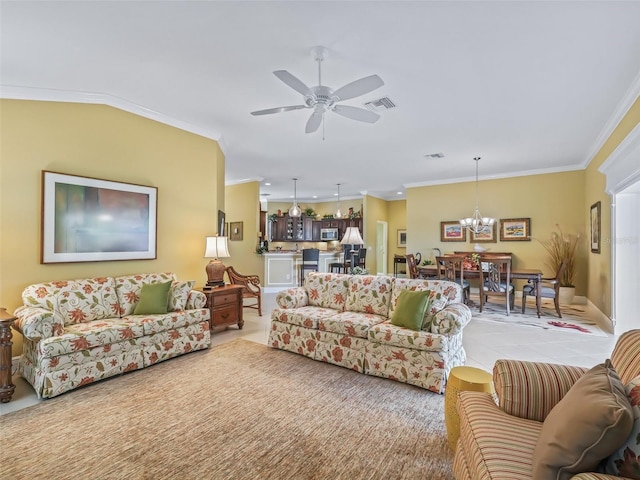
x=329 y=234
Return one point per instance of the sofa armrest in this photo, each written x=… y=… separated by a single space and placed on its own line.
x=196 y=299
x=531 y=389
x=293 y=298
x=36 y=323
x=451 y=319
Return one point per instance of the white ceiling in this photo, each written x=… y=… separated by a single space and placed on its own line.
x=528 y=86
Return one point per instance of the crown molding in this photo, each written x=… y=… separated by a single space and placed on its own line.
x=524 y=173
x=243 y=180
x=630 y=96
x=14 y=92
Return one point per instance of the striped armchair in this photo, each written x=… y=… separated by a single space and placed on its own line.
x=497 y=441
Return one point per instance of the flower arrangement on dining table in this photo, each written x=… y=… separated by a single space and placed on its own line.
x=472 y=262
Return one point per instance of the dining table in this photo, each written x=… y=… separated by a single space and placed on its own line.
x=533 y=275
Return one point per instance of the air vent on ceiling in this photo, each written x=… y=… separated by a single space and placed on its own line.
x=434 y=155
x=384 y=103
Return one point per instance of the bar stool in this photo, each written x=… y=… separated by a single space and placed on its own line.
x=310 y=261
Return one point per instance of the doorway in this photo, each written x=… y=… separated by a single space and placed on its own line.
x=622 y=171
x=382 y=233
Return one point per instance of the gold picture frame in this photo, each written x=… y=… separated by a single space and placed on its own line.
x=402 y=239
x=595 y=227
x=490 y=235
x=452 y=231
x=515 y=229
x=235 y=231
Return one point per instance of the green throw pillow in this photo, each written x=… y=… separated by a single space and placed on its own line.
x=410 y=309
x=154 y=298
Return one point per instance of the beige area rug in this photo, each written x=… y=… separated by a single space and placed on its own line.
x=575 y=318
x=237 y=411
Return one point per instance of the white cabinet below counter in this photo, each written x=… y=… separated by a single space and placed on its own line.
x=282 y=269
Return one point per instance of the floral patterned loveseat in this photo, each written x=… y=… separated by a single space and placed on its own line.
x=345 y=320
x=80 y=331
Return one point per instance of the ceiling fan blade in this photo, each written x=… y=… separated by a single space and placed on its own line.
x=293 y=82
x=278 y=110
x=355 y=113
x=314 y=122
x=359 y=87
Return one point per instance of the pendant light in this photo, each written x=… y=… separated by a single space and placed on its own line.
x=477 y=223
x=338 y=212
x=295 y=211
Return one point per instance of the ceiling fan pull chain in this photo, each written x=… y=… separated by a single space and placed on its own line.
x=323 y=127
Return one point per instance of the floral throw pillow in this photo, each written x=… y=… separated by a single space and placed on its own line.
x=178 y=295
x=625 y=462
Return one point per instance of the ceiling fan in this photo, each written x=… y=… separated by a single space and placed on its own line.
x=324 y=99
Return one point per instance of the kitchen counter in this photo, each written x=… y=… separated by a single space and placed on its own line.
x=282 y=268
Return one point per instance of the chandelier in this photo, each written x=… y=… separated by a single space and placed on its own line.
x=338 y=212
x=295 y=211
x=477 y=223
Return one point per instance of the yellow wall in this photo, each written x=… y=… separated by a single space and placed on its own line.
x=107 y=143
x=243 y=205
x=546 y=199
x=599 y=291
x=397 y=220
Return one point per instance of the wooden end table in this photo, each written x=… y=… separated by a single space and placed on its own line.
x=225 y=306
x=6 y=387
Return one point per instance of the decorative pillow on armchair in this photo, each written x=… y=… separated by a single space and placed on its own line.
x=590 y=422
x=625 y=462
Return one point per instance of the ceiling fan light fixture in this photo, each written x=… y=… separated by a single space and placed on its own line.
x=322 y=98
x=295 y=210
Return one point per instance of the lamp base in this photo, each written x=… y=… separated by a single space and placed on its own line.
x=215 y=273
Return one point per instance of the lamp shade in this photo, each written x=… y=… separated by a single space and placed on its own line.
x=216 y=248
x=352 y=237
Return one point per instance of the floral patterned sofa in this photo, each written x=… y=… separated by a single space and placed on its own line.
x=80 y=331
x=345 y=320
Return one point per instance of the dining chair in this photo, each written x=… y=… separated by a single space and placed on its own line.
x=495 y=279
x=252 y=288
x=549 y=288
x=451 y=268
x=412 y=266
x=310 y=261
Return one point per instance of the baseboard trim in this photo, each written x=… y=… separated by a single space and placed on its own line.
x=604 y=322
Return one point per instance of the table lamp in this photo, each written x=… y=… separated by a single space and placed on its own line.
x=352 y=237
x=216 y=248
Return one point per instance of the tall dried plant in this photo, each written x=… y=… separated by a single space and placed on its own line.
x=560 y=246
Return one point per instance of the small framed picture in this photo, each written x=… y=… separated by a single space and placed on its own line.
x=235 y=231
x=489 y=235
x=402 y=239
x=515 y=229
x=452 y=232
x=595 y=227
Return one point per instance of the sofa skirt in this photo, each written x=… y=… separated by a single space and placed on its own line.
x=293 y=338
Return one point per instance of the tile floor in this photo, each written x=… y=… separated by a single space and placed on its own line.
x=484 y=343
